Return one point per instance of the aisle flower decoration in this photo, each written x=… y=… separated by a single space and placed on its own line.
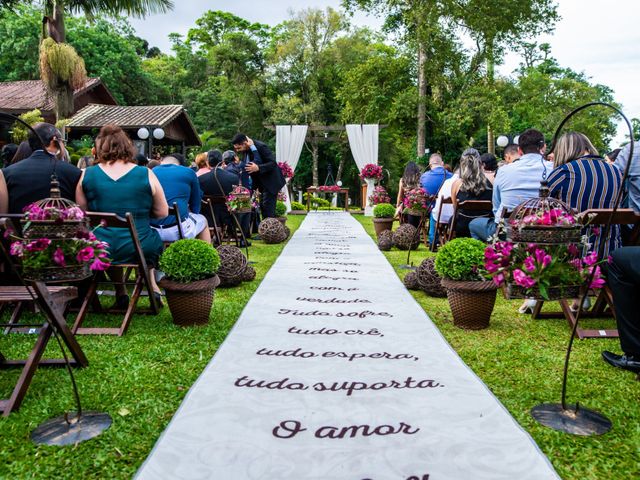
x=281 y=196
x=417 y=200
x=549 y=218
x=239 y=200
x=329 y=188
x=287 y=171
x=371 y=171
x=40 y=256
x=379 y=195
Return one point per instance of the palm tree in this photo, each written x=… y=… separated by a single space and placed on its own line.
x=63 y=77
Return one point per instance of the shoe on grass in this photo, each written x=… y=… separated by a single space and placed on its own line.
x=625 y=362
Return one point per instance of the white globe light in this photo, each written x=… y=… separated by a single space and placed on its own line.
x=143 y=133
x=158 y=134
x=502 y=141
x=339 y=183
x=516 y=140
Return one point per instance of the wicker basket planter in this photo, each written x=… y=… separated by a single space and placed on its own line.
x=471 y=303
x=544 y=235
x=512 y=291
x=190 y=303
x=382 y=224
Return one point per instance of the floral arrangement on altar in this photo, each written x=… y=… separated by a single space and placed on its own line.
x=549 y=218
x=547 y=271
x=417 y=200
x=40 y=255
x=329 y=188
x=372 y=171
x=239 y=200
x=287 y=171
x=379 y=195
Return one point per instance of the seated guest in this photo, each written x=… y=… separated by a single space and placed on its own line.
x=141 y=160
x=489 y=166
x=84 y=162
x=220 y=182
x=583 y=180
x=624 y=280
x=410 y=180
x=153 y=164
x=8 y=152
x=30 y=179
x=434 y=177
x=233 y=164
x=24 y=151
x=4 y=195
x=634 y=172
x=511 y=153
x=445 y=192
x=612 y=155
x=515 y=182
x=472 y=185
x=202 y=162
x=117 y=185
x=180 y=185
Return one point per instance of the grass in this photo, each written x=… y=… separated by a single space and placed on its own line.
x=521 y=361
x=139 y=379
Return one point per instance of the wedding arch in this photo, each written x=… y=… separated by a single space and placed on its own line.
x=363 y=141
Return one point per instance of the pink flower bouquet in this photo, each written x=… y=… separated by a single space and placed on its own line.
x=287 y=171
x=371 y=170
x=379 y=195
x=329 y=188
x=239 y=200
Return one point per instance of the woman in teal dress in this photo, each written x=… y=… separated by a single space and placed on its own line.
x=116 y=184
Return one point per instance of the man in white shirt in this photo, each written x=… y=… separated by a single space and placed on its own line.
x=516 y=182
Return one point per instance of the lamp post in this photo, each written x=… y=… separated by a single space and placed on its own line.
x=149 y=133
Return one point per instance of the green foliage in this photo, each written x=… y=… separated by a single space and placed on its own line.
x=461 y=259
x=317 y=201
x=297 y=206
x=19 y=132
x=384 y=210
x=281 y=209
x=330 y=208
x=189 y=260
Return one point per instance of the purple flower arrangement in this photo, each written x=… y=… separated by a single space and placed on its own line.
x=371 y=170
x=287 y=171
x=379 y=196
x=83 y=248
x=239 y=199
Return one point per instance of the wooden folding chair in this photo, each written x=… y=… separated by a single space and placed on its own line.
x=52 y=302
x=603 y=306
x=442 y=228
x=175 y=211
x=226 y=233
x=142 y=280
x=214 y=229
x=473 y=205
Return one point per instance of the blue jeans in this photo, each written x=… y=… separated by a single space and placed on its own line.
x=482 y=228
x=432 y=228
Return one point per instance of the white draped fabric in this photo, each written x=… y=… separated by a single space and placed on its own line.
x=363 y=140
x=289 y=142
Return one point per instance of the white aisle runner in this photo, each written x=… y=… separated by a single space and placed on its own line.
x=333 y=371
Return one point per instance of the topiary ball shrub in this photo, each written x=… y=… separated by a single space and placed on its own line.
x=189 y=260
x=384 y=210
x=411 y=281
x=406 y=237
x=385 y=240
x=461 y=259
x=233 y=263
x=429 y=280
x=297 y=206
x=272 y=231
x=281 y=209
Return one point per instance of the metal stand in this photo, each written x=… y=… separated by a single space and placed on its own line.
x=574 y=419
x=409 y=265
x=71 y=428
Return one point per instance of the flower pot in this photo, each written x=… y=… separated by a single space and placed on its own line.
x=382 y=224
x=471 y=303
x=190 y=303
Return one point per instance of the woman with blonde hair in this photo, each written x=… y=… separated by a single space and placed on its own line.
x=583 y=180
x=472 y=185
x=202 y=162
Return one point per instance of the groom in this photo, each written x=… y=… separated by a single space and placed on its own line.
x=265 y=173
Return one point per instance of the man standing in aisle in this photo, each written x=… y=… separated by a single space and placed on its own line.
x=265 y=173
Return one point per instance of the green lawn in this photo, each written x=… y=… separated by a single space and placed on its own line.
x=141 y=378
x=521 y=361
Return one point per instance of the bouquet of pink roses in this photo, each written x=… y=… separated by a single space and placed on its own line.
x=379 y=195
x=371 y=170
x=329 y=188
x=287 y=171
x=239 y=200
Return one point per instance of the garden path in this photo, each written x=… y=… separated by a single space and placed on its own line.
x=333 y=371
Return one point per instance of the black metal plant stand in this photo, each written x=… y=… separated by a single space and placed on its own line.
x=572 y=418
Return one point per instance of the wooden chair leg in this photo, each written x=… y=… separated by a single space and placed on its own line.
x=15 y=316
x=89 y=299
x=135 y=296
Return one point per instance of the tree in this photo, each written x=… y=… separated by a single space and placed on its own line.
x=61 y=68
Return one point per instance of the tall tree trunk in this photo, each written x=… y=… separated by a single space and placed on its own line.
x=422 y=99
x=63 y=95
x=314 y=156
x=55 y=24
x=491 y=143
